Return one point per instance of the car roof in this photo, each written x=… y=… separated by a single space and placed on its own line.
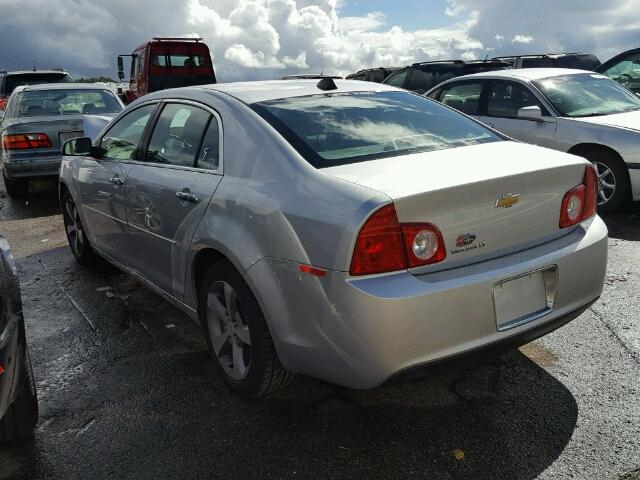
x=262 y=91
x=528 y=74
x=32 y=72
x=63 y=86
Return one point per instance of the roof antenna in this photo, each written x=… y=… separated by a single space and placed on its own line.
x=34 y=65
x=327 y=84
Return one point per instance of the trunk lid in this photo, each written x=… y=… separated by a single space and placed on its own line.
x=58 y=128
x=466 y=193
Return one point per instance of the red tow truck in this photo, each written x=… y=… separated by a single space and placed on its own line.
x=166 y=63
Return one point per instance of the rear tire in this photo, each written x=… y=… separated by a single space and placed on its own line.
x=22 y=416
x=613 y=180
x=76 y=235
x=16 y=188
x=230 y=316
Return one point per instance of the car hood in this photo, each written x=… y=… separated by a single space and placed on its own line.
x=629 y=120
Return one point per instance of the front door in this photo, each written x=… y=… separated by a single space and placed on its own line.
x=101 y=182
x=503 y=100
x=168 y=193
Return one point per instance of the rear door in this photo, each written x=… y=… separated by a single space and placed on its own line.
x=101 y=182
x=169 y=191
x=503 y=99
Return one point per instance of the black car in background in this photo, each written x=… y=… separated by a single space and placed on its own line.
x=422 y=77
x=376 y=75
x=18 y=400
x=576 y=61
x=10 y=80
x=624 y=68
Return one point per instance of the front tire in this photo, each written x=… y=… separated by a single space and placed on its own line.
x=613 y=180
x=22 y=416
x=239 y=341
x=76 y=235
x=16 y=188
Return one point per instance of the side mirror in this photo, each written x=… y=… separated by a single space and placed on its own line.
x=120 y=68
x=532 y=112
x=78 y=147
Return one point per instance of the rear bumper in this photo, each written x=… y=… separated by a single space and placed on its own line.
x=34 y=167
x=360 y=332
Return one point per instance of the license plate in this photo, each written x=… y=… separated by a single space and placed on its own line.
x=64 y=136
x=524 y=298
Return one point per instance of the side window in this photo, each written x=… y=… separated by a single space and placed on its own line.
x=397 y=79
x=419 y=81
x=177 y=135
x=377 y=75
x=504 y=99
x=626 y=71
x=121 y=141
x=463 y=96
x=209 y=155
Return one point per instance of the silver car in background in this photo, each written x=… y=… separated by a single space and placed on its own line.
x=38 y=120
x=339 y=229
x=574 y=111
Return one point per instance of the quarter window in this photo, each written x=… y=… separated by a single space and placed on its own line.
x=177 y=135
x=464 y=97
x=121 y=141
x=209 y=156
x=504 y=99
x=397 y=80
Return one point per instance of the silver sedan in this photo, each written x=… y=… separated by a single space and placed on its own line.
x=349 y=231
x=38 y=120
x=580 y=112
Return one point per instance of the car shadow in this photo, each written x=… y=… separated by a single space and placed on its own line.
x=624 y=225
x=41 y=202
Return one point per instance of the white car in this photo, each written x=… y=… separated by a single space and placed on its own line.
x=574 y=111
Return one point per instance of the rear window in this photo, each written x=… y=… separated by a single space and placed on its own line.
x=13 y=81
x=65 y=102
x=581 y=62
x=343 y=128
x=162 y=60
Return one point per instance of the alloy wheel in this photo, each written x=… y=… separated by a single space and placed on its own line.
x=228 y=332
x=73 y=228
x=606 y=183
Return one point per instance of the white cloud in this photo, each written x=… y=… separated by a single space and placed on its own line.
x=522 y=39
x=253 y=39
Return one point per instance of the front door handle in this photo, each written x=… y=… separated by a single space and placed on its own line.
x=116 y=180
x=186 y=196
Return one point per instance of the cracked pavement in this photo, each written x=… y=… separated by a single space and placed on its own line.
x=126 y=391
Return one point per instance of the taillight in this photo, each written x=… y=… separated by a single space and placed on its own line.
x=379 y=245
x=25 y=141
x=384 y=245
x=580 y=202
x=3 y=102
x=423 y=244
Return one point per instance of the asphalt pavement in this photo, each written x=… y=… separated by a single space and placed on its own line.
x=126 y=390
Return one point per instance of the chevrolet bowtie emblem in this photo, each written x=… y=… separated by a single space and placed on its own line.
x=508 y=200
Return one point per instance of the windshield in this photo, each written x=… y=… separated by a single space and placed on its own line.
x=342 y=128
x=66 y=102
x=587 y=95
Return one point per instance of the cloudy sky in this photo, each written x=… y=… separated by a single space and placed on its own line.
x=254 y=39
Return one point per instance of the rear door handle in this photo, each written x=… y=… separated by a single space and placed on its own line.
x=186 y=196
x=116 y=180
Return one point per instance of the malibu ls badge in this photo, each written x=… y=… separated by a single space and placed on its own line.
x=508 y=200
x=466 y=242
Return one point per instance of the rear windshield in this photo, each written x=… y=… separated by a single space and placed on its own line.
x=13 y=81
x=343 y=128
x=176 y=60
x=65 y=102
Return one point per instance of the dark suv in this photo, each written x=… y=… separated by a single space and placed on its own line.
x=10 y=80
x=376 y=75
x=422 y=77
x=578 y=61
